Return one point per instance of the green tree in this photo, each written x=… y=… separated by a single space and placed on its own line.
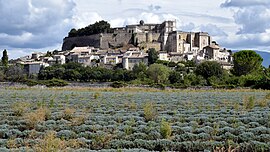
x=152 y=56
x=159 y=73
x=208 y=69
x=15 y=73
x=5 y=58
x=246 y=62
x=176 y=77
x=72 y=33
x=139 y=70
x=96 y=28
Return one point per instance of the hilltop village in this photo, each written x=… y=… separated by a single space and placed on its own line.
x=128 y=46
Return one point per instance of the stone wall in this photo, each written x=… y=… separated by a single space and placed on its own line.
x=109 y=40
x=70 y=42
x=102 y=41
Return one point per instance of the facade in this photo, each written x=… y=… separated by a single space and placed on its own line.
x=131 y=58
x=84 y=55
x=33 y=67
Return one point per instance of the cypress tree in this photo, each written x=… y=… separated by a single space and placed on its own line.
x=5 y=58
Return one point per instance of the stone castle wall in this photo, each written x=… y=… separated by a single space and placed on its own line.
x=102 y=41
x=109 y=40
x=70 y=42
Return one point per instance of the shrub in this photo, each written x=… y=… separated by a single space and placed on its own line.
x=267 y=96
x=50 y=143
x=118 y=84
x=55 y=83
x=165 y=129
x=249 y=102
x=96 y=95
x=150 y=112
x=66 y=134
x=19 y=108
x=68 y=113
x=33 y=118
x=30 y=82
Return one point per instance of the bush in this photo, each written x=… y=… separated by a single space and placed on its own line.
x=249 y=102
x=55 y=83
x=19 y=108
x=150 y=112
x=68 y=113
x=118 y=84
x=165 y=129
x=31 y=83
x=159 y=86
x=39 y=115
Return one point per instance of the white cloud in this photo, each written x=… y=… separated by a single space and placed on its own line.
x=213 y=30
x=85 y=18
x=34 y=23
x=245 y=3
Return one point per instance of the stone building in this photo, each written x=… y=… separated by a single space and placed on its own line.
x=131 y=58
x=143 y=35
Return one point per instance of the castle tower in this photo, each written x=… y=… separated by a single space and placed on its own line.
x=149 y=37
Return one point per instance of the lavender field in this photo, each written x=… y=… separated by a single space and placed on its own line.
x=53 y=119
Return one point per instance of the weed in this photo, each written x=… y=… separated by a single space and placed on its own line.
x=50 y=143
x=39 y=115
x=267 y=96
x=263 y=103
x=96 y=95
x=19 y=108
x=165 y=129
x=249 y=102
x=78 y=120
x=150 y=111
x=68 y=113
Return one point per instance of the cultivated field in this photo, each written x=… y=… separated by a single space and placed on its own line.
x=42 y=119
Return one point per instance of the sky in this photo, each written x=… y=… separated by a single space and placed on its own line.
x=28 y=26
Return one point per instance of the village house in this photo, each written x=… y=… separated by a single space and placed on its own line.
x=131 y=58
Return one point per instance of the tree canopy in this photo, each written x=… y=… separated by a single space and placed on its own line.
x=158 y=72
x=96 y=28
x=208 y=69
x=246 y=62
x=152 y=56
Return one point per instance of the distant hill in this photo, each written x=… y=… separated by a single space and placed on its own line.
x=265 y=56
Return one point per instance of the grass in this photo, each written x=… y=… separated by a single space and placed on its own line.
x=68 y=113
x=37 y=116
x=20 y=108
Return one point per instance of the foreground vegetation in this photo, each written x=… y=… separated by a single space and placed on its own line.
x=141 y=120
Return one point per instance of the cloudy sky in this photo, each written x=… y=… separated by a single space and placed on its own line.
x=40 y=25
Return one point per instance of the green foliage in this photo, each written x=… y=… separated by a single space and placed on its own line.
x=152 y=56
x=208 y=69
x=55 y=83
x=165 y=129
x=2 y=76
x=139 y=70
x=188 y=63
x=20 y=108
x=158 y=73
x=118 y=84
x=176 y=77
x=96 y=28
x=15 y=73
x=249 y=102
x=149 y=111
x=246 y=62
x=5 y=58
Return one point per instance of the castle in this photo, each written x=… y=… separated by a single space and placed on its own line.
x=163 y=37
